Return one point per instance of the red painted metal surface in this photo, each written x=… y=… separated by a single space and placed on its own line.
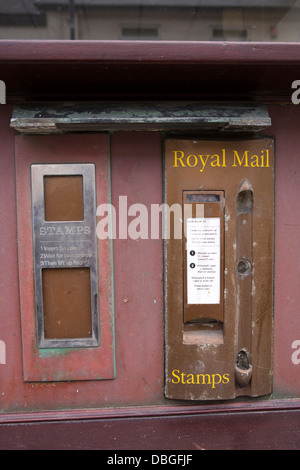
x=136 y=173
x=10 y=331
x=156 y=70
x=242 y=429
x=287 y=250
x=136 y=170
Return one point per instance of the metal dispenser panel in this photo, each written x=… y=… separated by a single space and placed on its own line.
x=65 y=270
x=219 y=273
x=65 y=253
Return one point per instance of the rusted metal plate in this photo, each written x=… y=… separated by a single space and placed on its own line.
x=57 y=118
x=222 y=356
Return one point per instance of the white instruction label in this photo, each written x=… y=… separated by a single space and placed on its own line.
x=203 y=260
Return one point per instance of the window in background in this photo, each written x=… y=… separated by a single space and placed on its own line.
x=167 y=20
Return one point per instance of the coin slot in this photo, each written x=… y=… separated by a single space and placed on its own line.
x=245 y=201
x=203 y=198
x=244 y=267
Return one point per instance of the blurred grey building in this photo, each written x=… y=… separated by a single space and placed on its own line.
x=166 y=20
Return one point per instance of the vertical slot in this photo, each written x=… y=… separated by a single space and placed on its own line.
x=203 y=256
x=244 y=260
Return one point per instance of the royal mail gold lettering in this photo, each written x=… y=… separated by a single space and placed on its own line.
x=239 y=159
x=199 y=379
x=247 y=160
x=199 y=160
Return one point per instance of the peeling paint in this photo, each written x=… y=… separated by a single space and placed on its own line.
x=52 y=352
x=59 y=118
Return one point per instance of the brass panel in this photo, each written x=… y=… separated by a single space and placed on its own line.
x=63 y=198
x=232 y=355
x=67 y=303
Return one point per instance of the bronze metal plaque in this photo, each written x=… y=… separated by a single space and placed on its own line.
x=219 y=276
x=67 y=303
x=63 y=197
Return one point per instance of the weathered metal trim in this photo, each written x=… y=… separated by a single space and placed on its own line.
x=151 y=411
x=59 y=118
x=82 y=243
